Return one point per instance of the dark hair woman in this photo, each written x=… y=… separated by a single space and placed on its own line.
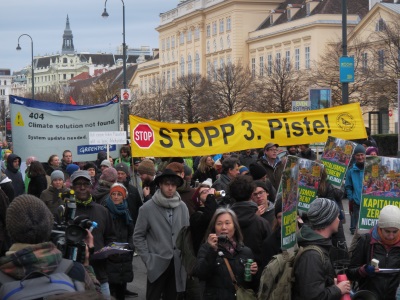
x=38 y=182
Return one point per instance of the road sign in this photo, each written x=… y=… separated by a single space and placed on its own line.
x=346 y=68
x=125 y=94
x=143 y=135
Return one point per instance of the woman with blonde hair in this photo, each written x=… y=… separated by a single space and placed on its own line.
x=205 y=170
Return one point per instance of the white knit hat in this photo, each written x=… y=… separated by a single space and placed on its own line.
x=389 y=217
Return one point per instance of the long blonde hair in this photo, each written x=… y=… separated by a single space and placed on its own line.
x=203 y=164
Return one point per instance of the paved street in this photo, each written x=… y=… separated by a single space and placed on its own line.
x=139 y=283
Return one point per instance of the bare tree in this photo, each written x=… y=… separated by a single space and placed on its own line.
x=231 y=87
x=279 y=86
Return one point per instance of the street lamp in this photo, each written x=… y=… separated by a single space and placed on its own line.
x=345 y=85
x=124 y=103
x=33 y=72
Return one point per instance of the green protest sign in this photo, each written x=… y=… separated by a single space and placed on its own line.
x=309 y=178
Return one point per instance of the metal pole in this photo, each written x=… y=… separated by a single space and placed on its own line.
x=124 y=104
x=398 y=118
x=32 y=67
x=345 y=85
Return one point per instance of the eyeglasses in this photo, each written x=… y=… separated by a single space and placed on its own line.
x=81 y=184
x=259 y=194
x=273 y=149
x=204 y=192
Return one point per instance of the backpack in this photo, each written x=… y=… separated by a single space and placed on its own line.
x=37 y=285
x=278 y=276
x=184 y=243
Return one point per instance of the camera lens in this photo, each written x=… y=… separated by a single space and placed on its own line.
x=75 y=233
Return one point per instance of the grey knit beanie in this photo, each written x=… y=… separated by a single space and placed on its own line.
x=28 y=220
x=57 y=174
x=322 y=213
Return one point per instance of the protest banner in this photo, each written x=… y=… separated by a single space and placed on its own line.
x=336 y=159
x=289 y=189
x=244 y=130
x=381 y=187
x=42 y=128
x=309 y=179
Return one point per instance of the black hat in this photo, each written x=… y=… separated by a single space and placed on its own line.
x=28 y=220
x=262 y=185
x=122 y=167
x=168 y=173
x=257 y=171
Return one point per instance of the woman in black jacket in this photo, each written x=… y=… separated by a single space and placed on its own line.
x=205 y=170
x=119 y=266
x=38 y=181
x=224 y=244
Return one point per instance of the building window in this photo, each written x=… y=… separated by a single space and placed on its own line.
x=381 y=60
x=182 y=38
x=197 y=63
x=214 y=28
x=221 y=42
x=269 y=64
x=222 y=63
x=221 y=26
x=261 y=65
x=297 y=59
x=197 y=33
x=64 y=76
x=215 y=69
x=189 y=64
x=208 y=47
x=228 y=41
x=307 y=57
x=168 y=43
x=278 y=61
x=228 y=23
x=173 y=42
x=287 y=60
x=208 y=30
x=163 y=44
x=364 y=58
x=173 y=77
x=182 y=66
x=380 y=25
x=189 y=35
x=253 y=67
x=168 y=78
x=215 y=45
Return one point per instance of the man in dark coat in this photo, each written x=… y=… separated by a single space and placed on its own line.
x=306 y=152
x=272 y=164
x=254 y=228
x=230 y=169
x=314 y=274
x=12 y=171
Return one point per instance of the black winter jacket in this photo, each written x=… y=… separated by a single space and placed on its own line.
x=37 y=185
x=210 y=173
x=210 y=267
x=255 y=229
x=134 y=201
x=15 y=175
x=382 y=285
x=271 y=246
x=274 y=174
x=51 y=197
x=314 y=278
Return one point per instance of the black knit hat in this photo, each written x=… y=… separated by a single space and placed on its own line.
x=257 y=171
x=28 y=220
x=322 y=213
x=262 y=185
x=122 y=167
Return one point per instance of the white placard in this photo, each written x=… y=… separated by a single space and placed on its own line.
x=107 y=137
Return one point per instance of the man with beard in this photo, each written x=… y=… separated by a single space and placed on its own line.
x=135 y=178
x=272 y=164
x=159 y=222
x=147 y=171
x=353 y=185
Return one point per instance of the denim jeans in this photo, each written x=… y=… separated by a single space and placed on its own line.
x=354 y=217
x=105 y=290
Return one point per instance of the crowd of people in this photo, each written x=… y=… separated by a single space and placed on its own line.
x=229 y=203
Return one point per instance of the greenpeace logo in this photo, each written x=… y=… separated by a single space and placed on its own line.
x=19 y=101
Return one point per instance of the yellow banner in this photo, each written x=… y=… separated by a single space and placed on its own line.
x=245 y=130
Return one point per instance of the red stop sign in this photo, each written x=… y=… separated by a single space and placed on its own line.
x=143 y=135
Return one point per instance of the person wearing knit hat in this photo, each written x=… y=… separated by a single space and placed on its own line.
x=260 y=196
x=314 y=278
x=51 y=196
x=29 y=223
x=373 y=151
x=353 y=185
x=382 y=244
x=118 y=188
x=93 y=172
x=105 y=164
x=147 y=171
x=71 y=168
x=257 y=171
x=272 y=244
x=108 y=177
x=243 y=170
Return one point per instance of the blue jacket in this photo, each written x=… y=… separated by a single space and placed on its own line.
x=354 y=182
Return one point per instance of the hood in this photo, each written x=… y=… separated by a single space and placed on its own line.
x=23 y=259
x=245 y=212
x=306 y=236
x=10 y=160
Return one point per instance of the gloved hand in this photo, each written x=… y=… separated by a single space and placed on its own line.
x=367 y=270
x=351 y=202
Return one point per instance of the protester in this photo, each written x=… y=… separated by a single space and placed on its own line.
x=119 y=267
x=353 y=185
x=243 y=170
x=260 y=197
x=101 y=156
x=373 y=151
x=247 y=157
x=66 y=160
x=292 y=150
x=382 y=243
x=135 y=177
x=53 y=163
x=315 y=277
x=159 y=222
x=29 y=224
x=93 y=172
x=108 y=177
x=105 y=164
x=306 y=152
x=4 y=238
x=220 y=160
x=230 y=169
x=260 y=174
x=38 y=181
x=53 y=195
x=12 y=172
x=205 y=170
x=272 y=164
x=124 y=156
x=224 y=246
x=104 y=233
x=147 y=172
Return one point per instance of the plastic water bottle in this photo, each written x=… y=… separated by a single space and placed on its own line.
x=94 y=225
x=340 y=278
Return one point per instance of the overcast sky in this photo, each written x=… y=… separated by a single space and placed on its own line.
x=44 y=21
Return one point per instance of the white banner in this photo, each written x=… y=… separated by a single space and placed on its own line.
x=41 y=128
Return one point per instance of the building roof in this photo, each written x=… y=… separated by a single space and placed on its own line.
x=392 y=6
x=358 y=7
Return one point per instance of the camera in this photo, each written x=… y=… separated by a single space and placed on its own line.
x=69 y=231
x=223 y=239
